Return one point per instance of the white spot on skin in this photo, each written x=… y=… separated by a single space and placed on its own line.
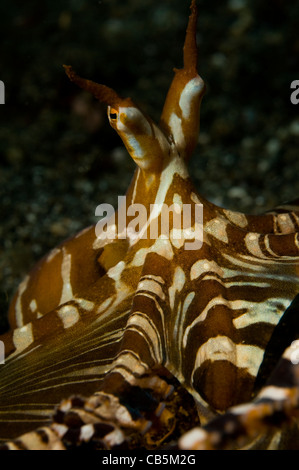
x=104 y=305
x=155 y=278
x=151 y=286
x=195 y=198
x=133 y=114
x=178 y=283
x=69 y=315
x=65 y=406
x=177 y=238
x=187 y=302
x=252 y=236
x=253 y=246
x=175 y=124
x=275 y=441
x=23 y=337
x=138 y=152
x=115 y=271
x=242 y=409
x=114 y=438
x=67 y=292
x=217 y=228
x=60 y=429
x=274 y=393
x=255 y=313
x=161 y=246
x=223 y=348
x=201 y=266
x=86 y=432
x=33 y=305
x=193 y=439
x=236 y=218
x=85 y=304
x=177 y=199
x=18 y=307
x=219 y=348
x=139 y=257
x=190 y=93
x=292 y=352
x=249 y=357
x=285 y=223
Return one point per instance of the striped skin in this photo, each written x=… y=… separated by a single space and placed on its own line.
x=269 y=421
x=116 y=320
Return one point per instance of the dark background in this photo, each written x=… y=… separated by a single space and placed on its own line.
x=59 y=158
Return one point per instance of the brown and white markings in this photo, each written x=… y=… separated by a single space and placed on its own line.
x=133 y=321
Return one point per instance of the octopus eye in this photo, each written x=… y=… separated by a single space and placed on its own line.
x=112 y=114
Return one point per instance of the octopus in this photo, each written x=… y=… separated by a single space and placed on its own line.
x=172 y=323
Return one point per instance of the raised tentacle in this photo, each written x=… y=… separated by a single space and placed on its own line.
x=180 y=115
x=190 y=46
x=103 y=93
